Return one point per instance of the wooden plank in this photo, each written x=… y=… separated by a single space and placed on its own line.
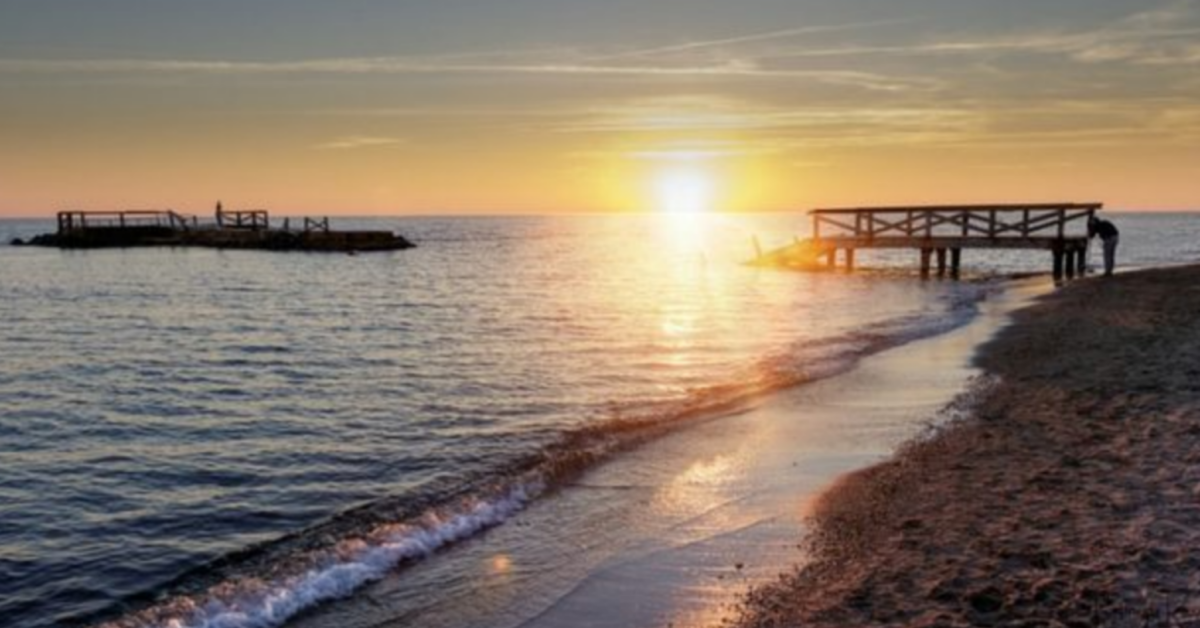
x=835 y=223
x=900 y=226
x=983 y=229
x=1044 y=221
x=939 y=219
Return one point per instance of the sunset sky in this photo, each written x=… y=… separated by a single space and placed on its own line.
x=530 y=106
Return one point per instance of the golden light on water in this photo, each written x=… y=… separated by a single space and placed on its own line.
x=500 y=564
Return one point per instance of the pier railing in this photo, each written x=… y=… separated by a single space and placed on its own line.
x=973 y=221
x=77 y=221
x=253 y=219
x=314 y=224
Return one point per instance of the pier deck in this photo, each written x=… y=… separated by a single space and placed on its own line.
x=943 y=233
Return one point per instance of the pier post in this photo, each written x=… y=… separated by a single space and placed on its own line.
x=832 y=259
x=941 y=262
x=955 y=263
x=1070 y=255
x=850 y=260
x=926 y=256
x=1058 y=263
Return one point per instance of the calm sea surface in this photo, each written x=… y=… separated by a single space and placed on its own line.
x=161 y=409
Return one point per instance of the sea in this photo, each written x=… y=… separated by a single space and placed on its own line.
x=194 y=437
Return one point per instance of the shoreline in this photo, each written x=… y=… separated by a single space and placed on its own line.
x=679 y=528
x=1069 y=495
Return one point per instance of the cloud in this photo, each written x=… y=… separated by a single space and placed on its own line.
x=752 y=38
x=402 y=65
x=738 y=127
x=352 y=142
x=689 y=151
x=715 y=114
x=449 y=111
x=767 y=85
x=1159 y=37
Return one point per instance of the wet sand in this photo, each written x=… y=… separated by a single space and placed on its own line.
x=1068 y=496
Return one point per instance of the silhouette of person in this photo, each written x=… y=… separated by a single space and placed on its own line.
x=218 y=214
x=1110 y=237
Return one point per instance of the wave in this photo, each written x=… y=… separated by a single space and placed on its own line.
x=257 y=602
x=264 y=586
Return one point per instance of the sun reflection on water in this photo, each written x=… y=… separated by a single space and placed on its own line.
x=500 y=564
x=686 y=233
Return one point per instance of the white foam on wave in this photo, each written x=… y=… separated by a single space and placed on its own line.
x=352 y=563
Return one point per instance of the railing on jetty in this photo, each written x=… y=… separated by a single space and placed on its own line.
x=253 y=219
x=312 y=224
x=76 y=221
x=1059 y=228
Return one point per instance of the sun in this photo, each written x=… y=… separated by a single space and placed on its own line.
x=684 y=191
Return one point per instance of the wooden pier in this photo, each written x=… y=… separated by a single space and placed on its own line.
x=242 y=229
x=940 y=234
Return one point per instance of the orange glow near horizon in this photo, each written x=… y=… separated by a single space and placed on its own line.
x=397 y=180
x=449 y=167
x=776 y=107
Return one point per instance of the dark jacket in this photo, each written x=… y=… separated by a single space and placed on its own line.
x=1103 y=228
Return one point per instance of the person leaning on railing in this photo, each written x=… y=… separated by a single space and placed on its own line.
x=1110 y=237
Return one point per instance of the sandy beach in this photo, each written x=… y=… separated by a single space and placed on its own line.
x=1069 y=496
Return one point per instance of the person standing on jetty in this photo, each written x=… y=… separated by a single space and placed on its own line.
x=1110 y=237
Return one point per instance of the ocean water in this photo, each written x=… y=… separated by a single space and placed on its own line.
x=232 y=437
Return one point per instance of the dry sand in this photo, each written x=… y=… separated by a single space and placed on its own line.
x=1071 y=497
